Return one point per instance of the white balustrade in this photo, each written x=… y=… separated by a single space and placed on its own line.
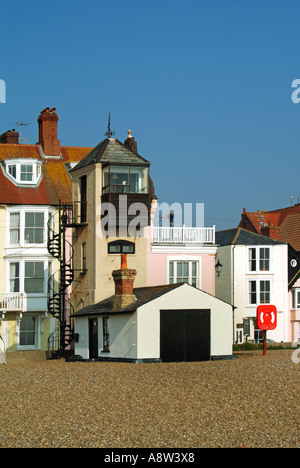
x=11 y=301
x=183 y=235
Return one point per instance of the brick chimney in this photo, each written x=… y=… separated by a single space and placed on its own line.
x=271 y=231
x=47 y=121
x=11 y=137
x=124 y=279
x=131 y=143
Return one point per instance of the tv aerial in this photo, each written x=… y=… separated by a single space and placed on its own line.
x=20 y=125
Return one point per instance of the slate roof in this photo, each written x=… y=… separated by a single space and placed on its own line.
x=55 y=184
x=113 y=151
x=239 y=236
x=143 y=295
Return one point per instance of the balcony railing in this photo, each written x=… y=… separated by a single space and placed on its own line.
x=11 y=301
x=74 y=214
x=183 y=235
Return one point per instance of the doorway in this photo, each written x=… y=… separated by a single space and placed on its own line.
x=93 y=338
x=185 y=335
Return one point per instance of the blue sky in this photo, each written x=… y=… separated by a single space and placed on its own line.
x=205 y=86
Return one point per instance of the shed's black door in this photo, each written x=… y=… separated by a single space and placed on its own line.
x=185 y=335
x=93 y=338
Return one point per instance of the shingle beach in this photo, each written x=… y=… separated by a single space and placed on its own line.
x=252 y=401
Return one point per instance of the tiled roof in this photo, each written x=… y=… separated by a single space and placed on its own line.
x=113 y=151
x=290 y=231
x=282 y=224
x=55 y=184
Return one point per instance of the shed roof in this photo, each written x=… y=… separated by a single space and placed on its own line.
x=143 y=295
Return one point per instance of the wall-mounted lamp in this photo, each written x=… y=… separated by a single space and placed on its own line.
x=218 y=268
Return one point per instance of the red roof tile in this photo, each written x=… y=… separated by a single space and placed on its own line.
x=55 y=184
x=282 y=224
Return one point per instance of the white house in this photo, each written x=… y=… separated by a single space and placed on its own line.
x=176 y=322
x=255 y=271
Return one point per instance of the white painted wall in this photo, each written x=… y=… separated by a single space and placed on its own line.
x=235 y=281
x=122 y=336
x=184 y=297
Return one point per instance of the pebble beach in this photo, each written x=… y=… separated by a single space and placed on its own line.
x=249 y=402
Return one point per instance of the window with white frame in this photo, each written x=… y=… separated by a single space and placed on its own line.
x=259 y=292
x=29 y=276
x=26 y=226
x=184 y=271
x=259 y=259
x=24 y=172
x=34 y=277
x=14 y=228
x=34 y=228
x=14 y=277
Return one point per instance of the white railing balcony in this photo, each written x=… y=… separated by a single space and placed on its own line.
x=11 y=301
x=183 y=235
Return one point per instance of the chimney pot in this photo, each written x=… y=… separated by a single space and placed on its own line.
x=123 y=261
x=131 y=143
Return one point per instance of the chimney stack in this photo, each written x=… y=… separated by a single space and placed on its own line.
x=124 y=279
x=11 y=137
x=47 y=121
x=131 y=143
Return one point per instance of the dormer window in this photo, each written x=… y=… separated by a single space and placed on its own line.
x=24 y=172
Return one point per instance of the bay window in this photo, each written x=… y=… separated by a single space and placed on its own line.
x=34 y=228
x=34 y=277
x=24 y=172
x=27 y=227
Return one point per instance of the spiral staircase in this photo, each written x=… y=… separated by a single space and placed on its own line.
x=59 y=305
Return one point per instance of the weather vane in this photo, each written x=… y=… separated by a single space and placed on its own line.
x=109 y=133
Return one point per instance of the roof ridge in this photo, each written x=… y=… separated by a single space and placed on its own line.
x=236 y=235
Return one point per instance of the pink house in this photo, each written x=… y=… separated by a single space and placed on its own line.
x=181 y=254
